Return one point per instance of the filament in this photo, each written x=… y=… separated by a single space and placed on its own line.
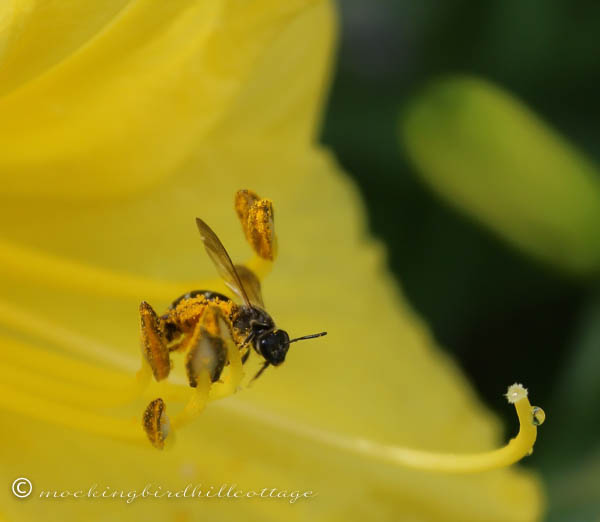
x=197 y=401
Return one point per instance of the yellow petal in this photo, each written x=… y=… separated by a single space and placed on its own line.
x=128 y=101
x=38 y=35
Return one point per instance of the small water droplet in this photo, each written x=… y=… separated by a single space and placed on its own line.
x=539 y=416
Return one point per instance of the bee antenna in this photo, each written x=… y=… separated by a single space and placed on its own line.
x=312 y=336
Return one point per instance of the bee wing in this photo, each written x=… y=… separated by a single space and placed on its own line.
x=251 y=285
x=219 y=256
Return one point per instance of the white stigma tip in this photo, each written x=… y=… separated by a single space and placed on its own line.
x=516 y=392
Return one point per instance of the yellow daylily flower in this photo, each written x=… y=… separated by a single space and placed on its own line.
x=121 y=123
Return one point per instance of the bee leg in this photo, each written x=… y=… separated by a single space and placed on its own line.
x=260 y=372
x=197 y=401
x=154 y=345
x=245 y=356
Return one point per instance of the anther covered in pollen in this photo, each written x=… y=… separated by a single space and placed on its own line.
x=153 y=343
x=156 y=423
x=256 y=217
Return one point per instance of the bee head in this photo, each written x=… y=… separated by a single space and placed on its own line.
x=273 y=345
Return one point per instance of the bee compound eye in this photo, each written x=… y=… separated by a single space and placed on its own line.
x=274 y=346
x=266 y=345
x=283 y=337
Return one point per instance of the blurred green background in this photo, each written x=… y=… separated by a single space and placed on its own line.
x=503 y=311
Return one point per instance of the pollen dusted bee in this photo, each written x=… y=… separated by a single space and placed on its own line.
x=201 y=323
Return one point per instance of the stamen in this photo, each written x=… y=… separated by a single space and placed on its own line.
x=154 y=344
x=197 y=401
x=256 y=217
x=156 y=423
x=261 y=267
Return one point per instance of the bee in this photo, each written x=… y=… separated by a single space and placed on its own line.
x=199 y=322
